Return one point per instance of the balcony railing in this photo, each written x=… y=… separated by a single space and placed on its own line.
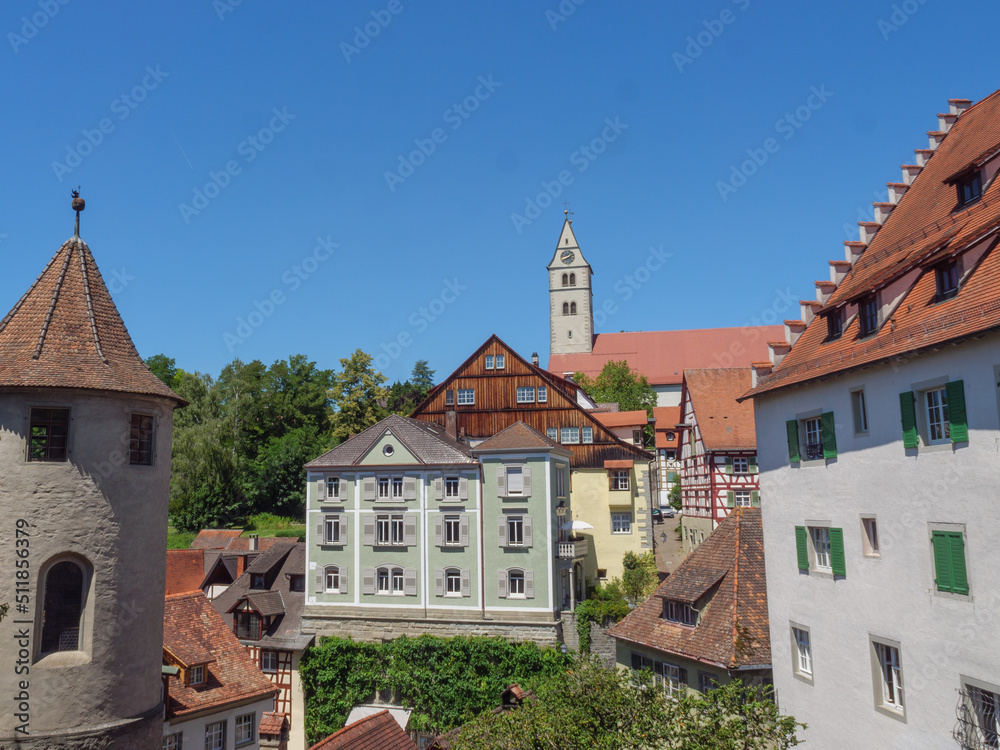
x=573 y=550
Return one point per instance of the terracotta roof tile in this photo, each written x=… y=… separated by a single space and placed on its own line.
x=272 y=722
x=519 y=436
x=376 y=732
x=724 y=422
x=214 y=538
x=667 y=418
x=65 y=331
x=623 y=418
x=242 y=543
x=185 y=570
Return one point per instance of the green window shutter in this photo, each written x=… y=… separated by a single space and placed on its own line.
x=959 y=577
x=800 y=547
x=908 y=415
x=837 y=560
x=792 y=427
x=755 y=498
x=956 y=412
x=753 y=464
x=731 y=499
x=671 y=476
x=942 y=560
x=729 y=464
x=829 y=435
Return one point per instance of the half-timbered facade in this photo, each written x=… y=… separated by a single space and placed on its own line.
x=719 y=450
x=496 y=387
x=668 y=465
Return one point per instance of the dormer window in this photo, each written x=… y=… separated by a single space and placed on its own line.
x=868 y=315
x=247 y=625
x=196 y=675
x=680 y=613
x=947 y=280
x=257 y=581
x=834 y=325
x=970 y=189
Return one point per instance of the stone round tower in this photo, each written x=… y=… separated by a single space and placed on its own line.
x=85 y=432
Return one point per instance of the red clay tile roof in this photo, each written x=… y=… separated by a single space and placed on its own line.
x=519 y=436
x=65 y=331
x=666 y=418
x=242 y=543
x=195 y=632
x=272 y=722
x=214 y=538
x=733 y=627
x=636 y=418
x=185 y=570
x=724 y=422
x=924 y=226
x=663 y=356
x=376 y=732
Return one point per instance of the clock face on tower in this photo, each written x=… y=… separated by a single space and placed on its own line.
x=567 y=256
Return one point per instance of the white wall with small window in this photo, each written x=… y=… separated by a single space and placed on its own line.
x=229 y=727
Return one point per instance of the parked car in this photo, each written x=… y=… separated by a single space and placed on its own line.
x=665 y=511
x=657 y=515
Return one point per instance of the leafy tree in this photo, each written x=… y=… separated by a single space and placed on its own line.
x=674 y=496
x=640 y=576
x=163 y=367
x=404 y=398
x=617 y=383
x=422 y=376
x=357 y=393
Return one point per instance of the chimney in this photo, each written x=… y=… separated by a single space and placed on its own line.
x=534 y=358
x=241 y=564
x=253 y=543
x=958 y=106
x=451 y=423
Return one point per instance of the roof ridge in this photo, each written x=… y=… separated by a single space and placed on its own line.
x=90 y=300
x=736 y=582
x=55 y=299
x=17 y=306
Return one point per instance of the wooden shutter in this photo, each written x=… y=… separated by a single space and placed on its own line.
x=368 y=530
x=527 y=531
x=368 y=581
x=438 y=582
x=320 y=581
x=837 y=559
x=409 y=488
x=908 y=416
x=792 y=428
x=369 y=488
x=529 y=584
x=753 y=464
x=942 y=561
x=410 y=529
x=755 y=498
x=959 y=577
x=466 y=582
x=438 y=529
x=463 y=488
x=956 y=412
x=344 y=579
x=730 y=497
x=949 y=561
x=463 y=530
x=409 y=581
x=829 y=435
x=526 y=481
x=321 y=530
x=729 y=465
x=341 y=521
x=501 y=481
x=801 y=548
x=321 y=489
x=502 y=530
x=439 y=488
x=502 y=583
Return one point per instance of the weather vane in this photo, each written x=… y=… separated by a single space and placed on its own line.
x=566 y=211
x=78 y=205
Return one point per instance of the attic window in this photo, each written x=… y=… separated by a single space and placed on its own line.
x=257 y=581
x=970 y=189
x=679 y=612
x=868 y=315
x=196 y=675
x=388 y=450
x=947 y=280
x=834 y=325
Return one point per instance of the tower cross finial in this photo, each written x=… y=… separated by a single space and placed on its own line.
x=78 y=206
x=566 y=210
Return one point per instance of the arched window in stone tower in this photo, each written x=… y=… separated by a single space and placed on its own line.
x=565 y=308
x=572 y=308
x=572 y=279
x=63 y=605
x=565 y=280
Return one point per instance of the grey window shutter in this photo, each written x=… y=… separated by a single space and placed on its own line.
x=501 y=481
x=463 y=488
x=755 y=498
x=368 y=531
x=463 y=530
x=342 y=530
x=410 y=529
x=502 y=583
x=341 y=489
x=729 y=464
x=439 y=488
x=438 y=529
x=321 y=530
x=502 y=531
x=526 y=478
x=410 y=581
x=368 y=581
x=409 y=488
x=344 y=578
x=369 y=488
x=320 y=583
x=466 y=582
x=529 y=584
x=438 y=582
x=527 y=531
x=320 y=488
x=730 y=499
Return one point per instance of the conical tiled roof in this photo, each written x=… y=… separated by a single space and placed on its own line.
x=66 y=332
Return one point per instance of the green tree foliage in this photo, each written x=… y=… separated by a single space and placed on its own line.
x=422 y=376
x=592 y=707
x=640 y=577
x=675 y=496
x=617 y=383
x=605 y=605
x=357 y=393
x=446 y=681
x=404 y=398
x=163 y=367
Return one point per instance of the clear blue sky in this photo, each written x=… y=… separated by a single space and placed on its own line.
x=183 y=86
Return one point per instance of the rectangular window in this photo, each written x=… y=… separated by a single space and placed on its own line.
x=870 y=537
x=397 y=529
x=449 y=398
x=938 y=428
x=397 y=581
x=860 y=411
x=947 y=280
x=383 y=488
x=889 y=688
x=619 y=479
x=552 y=433
x=500 y=362
x=515 y=531
x=247 y=625
x=741 y=465
x=245 y=729
x=868 y=315
x=215 y=736
x=515 y=480
x=561 y=480
x=950 y=574
x=814 y=439
x=489 y=361
x=397 y=487
x=621 y=523
x=453 y=582
x=383 y=535
x=173 y=741
x=986 y=710
x=383 y=581
x=515 y=583
x=466 y=396
x=452 y=530
x=543 y=394
x=821 y=547
x=742 y=499
x=196 y=676
x=570 y=435
x=671 y=680
x=296 y=582
x=451 y=487
x=588 y=435
x=639 y=663
x=141 y=440
x=803 y=662
x=706 y=682
x=268 y=660
x=679 y=612
x=333 y=580
x=333 y=487
x=49 y=435
x=970 y=189
x=526 y=394
x=332 y=529
x=637 y=437
x=834 y=325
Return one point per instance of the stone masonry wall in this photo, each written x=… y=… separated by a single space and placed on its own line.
x=548 y=634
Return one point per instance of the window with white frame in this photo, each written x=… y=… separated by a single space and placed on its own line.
x=741 y=465
x=173 y=741
x=382 y=581
x=453 y=582
x=383 y=530
x=803 y=653
x=332 y=579
x=619 y=479
x=706 y=682
x=452 y=530
x=245 y=729
x=500 y=361
x=889 y=686
x=985 y=727
x=196 y=676
x=525 y=394
x=938 y=427
x=637 y=437
x=561 y=490
x=383 y=487
x=672 y=680
x=552 y=433
x=397 y=529
x=268 y=660
x=743 y=498
x=489 y=361
x=859 y=411
x=451 y=487
x=397 y=487
x=814 y=439
x=397 y=581
x=515 y=531
x=515 y=480
x=449 y=397
x=215 y=735
x=821 y=546
x=515 y=583
x=333 y=486
x=466 y=396
x=588 y=435
x=331 y=529
x=869 y=525
x=569 y=435
x=621 y=523
x=680 y=612
x=543 y=394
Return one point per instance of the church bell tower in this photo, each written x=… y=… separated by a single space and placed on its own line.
x=571 y=300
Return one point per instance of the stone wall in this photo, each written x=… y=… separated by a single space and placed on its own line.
x=602 y=644
x=374 y=630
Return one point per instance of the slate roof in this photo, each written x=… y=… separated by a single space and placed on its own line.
x=667 y=418
x=733 y=628
x=622 y=418
x=268 y=603
x=925 y=227
x=663 y=356
x=520 y=436
x=185 y=570
x=428 y=442
x=376 y=732
x=195 y=633
x=214 y=538
x=65 y=331
x=724 y=422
